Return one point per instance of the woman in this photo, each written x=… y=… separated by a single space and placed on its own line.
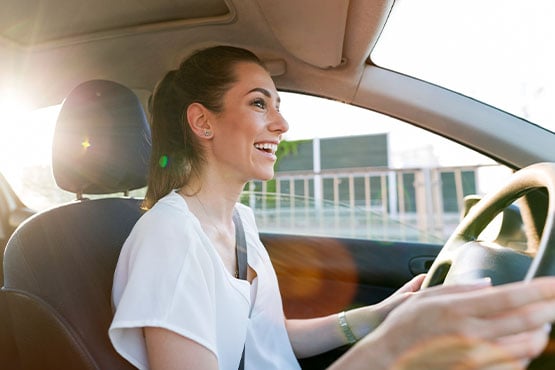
x=179 y=303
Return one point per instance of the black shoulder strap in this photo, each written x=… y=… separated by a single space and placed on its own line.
x=241 y=247
x=241 y=250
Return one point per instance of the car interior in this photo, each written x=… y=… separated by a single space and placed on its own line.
x=102 y=60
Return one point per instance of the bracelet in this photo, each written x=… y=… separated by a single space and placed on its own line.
x=345 y=328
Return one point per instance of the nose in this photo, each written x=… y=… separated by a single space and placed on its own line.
x=278 y=123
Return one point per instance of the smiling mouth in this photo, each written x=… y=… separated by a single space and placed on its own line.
x=270 y=148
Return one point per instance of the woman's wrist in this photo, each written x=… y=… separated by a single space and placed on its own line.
x=360 y=321
x=350 y=337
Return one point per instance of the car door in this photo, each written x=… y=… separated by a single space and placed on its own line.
x=323 y=275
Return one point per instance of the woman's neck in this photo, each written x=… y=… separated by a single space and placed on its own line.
x=212 y=198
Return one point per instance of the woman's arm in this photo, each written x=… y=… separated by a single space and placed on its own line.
x=452 y=327
x=168 y=350
x=310 y=337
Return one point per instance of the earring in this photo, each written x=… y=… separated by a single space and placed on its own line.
x=207 y=133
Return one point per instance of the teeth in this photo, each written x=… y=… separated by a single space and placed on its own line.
x=267 y=146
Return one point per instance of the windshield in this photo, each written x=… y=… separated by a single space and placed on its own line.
x=496 y=51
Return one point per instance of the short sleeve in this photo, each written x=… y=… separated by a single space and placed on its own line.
x=163 y=279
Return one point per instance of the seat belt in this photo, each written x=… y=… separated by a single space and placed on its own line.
x=240 y=246
x=241 y=255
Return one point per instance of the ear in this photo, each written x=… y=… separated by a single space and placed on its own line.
x=197 y=118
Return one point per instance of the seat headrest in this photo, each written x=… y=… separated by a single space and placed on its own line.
x=101 y=140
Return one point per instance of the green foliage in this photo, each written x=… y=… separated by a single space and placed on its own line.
x=287 y=148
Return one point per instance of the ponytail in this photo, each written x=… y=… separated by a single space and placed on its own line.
x=176 y=153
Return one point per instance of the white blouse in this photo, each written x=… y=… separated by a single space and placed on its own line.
x=170 y=276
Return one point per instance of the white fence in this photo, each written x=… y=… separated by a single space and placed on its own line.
x=363 y=202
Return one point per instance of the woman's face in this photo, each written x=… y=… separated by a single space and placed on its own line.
x=249 y=128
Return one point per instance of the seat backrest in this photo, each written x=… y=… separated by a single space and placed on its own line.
x=59 y=264
x=12 y=210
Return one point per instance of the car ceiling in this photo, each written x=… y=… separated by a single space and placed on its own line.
x=51 y=46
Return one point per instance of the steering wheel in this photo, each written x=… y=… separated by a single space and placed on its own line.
x=464 y=258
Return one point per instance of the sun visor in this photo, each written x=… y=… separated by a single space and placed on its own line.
x=311 y=30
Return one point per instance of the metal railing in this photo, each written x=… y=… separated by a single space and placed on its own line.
x=403 y=204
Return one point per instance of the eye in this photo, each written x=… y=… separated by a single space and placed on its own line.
x=259 y=103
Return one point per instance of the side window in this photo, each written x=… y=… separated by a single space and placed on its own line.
x=25 y=151
x=342 y=171
x=25 y=159
x=348 y=172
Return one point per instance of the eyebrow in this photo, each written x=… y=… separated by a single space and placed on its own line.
x=264 y=92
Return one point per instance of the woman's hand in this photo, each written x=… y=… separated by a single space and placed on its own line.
x=365 y=319
x=453 y=327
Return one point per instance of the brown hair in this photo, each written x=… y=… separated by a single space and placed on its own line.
x=177 y=154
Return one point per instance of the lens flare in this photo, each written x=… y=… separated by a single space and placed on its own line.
x=163 y=162
x=85 y=144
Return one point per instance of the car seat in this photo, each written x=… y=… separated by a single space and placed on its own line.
x=8 y=349
x=59 y=264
